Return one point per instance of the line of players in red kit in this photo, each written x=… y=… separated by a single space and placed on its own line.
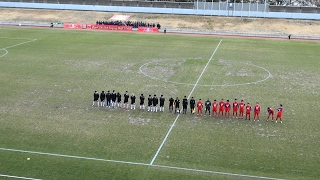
x=223 y=109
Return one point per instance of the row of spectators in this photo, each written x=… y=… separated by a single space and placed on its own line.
x=134 y=24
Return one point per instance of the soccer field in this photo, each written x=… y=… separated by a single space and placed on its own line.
x=47 y=80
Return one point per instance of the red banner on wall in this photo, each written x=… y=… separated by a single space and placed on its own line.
x=72 y=26
x=148 y=29
x=109 y=27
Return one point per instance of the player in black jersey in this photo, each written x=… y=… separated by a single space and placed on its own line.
x=150 y=101
x=126 y=100
x=119 y=100
x=155 y=102
x=102 y=98
x=162 y=99
x=95 y=98
x=133 y=101
x=142 y=102
x=113 y=99
x=108 y=97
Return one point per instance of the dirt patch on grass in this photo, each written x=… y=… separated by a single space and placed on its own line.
x=209 y=23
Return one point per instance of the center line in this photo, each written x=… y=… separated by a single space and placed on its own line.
x=195 y=85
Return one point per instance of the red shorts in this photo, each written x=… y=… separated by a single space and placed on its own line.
x=200 y=108
x=235 y=109
x=256 y=113
x=241 y=110
x=247 y=112
x=221 y=109
x=279 y=115
x=227 y=109
x=214 y=109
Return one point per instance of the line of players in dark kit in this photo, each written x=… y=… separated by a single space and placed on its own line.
x=218 y=109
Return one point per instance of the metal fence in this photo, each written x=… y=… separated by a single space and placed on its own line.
x=198 y=8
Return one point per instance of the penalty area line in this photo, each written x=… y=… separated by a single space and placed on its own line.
x=175 y=120
x=132 y=163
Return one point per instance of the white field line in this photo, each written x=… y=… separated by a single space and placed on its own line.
x=17 y=177
x=136 y=163
x=18 y=44
x=195 y=85
x=6 y=52
x=206 y=85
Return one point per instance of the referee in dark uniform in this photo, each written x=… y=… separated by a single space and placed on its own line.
x=192 y=104
x=184 y=105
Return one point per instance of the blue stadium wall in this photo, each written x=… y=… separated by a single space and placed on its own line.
x=259 y=10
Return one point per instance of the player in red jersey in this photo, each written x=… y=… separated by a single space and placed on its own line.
x=215 y=108
x=221 y=107
x=279 y=115
x=248 y=111
x=235 y=107
x=241 y=109
x=227 y=110
x=270 y=112
x=256 y=110
x=199 y=106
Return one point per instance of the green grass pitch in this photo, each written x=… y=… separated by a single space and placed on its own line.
x=47 y=80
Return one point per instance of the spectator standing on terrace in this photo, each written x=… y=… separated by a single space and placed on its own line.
x=184 y=105
x=95 y=98
x=289 y=37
